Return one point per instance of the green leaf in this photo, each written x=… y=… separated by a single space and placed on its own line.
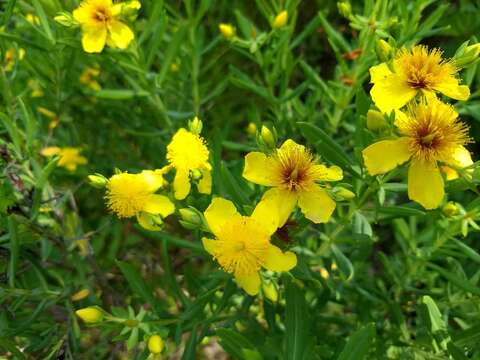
x=40 y=185
x=358 y=344
x=7 y=14
x=232 y=186
x=436 y=321
x=120 y=94
x=343 y=262
x=14 y=251
x=191 y=346
x=296 y=322
x=172 y=51
x=136 y=282
x=43 y=20
x=454 y=279
x=400 y=211
x=234 y=343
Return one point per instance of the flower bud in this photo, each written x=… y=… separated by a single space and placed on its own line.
x=90 y=315
x=130 y=9
x=345 y=9
x=251 y=128
x=270 y=291
x=345 y=193
x=450 y=209
x=191 y=218
x=376 y=121
x=467 y=56
x=195 y=125
x=155 y=344
x=267 y=137
x=384 y=50
x=227 y=30
x=80 y=295
x=66 y=19
x=97 y=181
x=280 y=20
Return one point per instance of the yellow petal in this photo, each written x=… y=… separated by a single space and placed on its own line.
x=279 y=261
x=93 y=39
x=453 y=90
x=82 y=14
x=391 y=93
x=316 y=205
x=425 y=184
x=159 y=204
x=386 y=155
x=450 y=173
x=400 y=119
x=257 y=169
x=290 y=143
x=460 y=158
x=249 y=283
x=181 y=184
x=147 y=221
x=50 y=151
x=219 y=211
x=283 y=201
x=324 y=173
x=379 y=72
x=209 y=245
x=204 y=185
x=120 y=34
x=153 y=179
x=266 y=216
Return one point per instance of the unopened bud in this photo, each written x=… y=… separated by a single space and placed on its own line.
x=80 y=295
x=450 y=209
x=376 y=121
x=195 y=125
x=268 y=138
x=130 y=9
x=345 y=9
x=66 y=19
x=90 y=315
x=467 y=56
x=97 y=181
x=280 y=20
x=155 y=344
x=270 y=291
x=251 y=128
x=345 y=193
x=190 y=218
x=227 y=30
x=131 y=323
x=384 y=50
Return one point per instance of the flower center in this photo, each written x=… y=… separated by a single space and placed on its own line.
x=127 y=194
x=187 y=151
x=242 y=246
x=101 y=14
x=294 y=167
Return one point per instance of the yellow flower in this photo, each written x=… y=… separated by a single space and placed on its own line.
x=430 y=132
x=88 y=78
x=130 y=195
x=90 y=315
x=155 y=344
x=54 y=120
x=280 y=20
x=10 y=56
x=70 y=157
x=227 y=30
x=188 y=154
x=242 y=243
x=413 y=71
x=32 y=19
x=99 y=20
x=293 y=173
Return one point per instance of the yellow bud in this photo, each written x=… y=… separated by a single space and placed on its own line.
x=375 y=120
x=195 y=125
x=98 y=181
x=174 y=67
x=227 y=30
x=450 y=209
x=384 y=50
x=270 y=291
x=251 y=128
x=90 y=315
x=268 y=137
x=324 y=273
x=345 y=193
x=280 y=20
x=345 y=9
x=80 y=295
x=155 y=344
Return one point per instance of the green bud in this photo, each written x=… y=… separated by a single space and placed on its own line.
x=97 y=181
x=267 y=139
x=195 y=125
x=66 y=19
x=376 y=120
x=467 y=55
x=384 y=50
x=344 y=8
x=450 y=209
x=344 y=193
x=190 y=218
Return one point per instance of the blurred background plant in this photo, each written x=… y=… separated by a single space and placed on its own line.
x=383 y=279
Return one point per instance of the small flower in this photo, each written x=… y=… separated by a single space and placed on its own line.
x=293 y=172
x=90 y=315
x=242 y=243
x=99 y=20
x=414 y=71
x=11 y=55
x=188 y=154
x=430 y=133
x=88 y=78
x=227 y=30
x=155 y=344
x=32 y=19
x=70 y=157
x=54 y=120
x=131 y=195
x=280 y=20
